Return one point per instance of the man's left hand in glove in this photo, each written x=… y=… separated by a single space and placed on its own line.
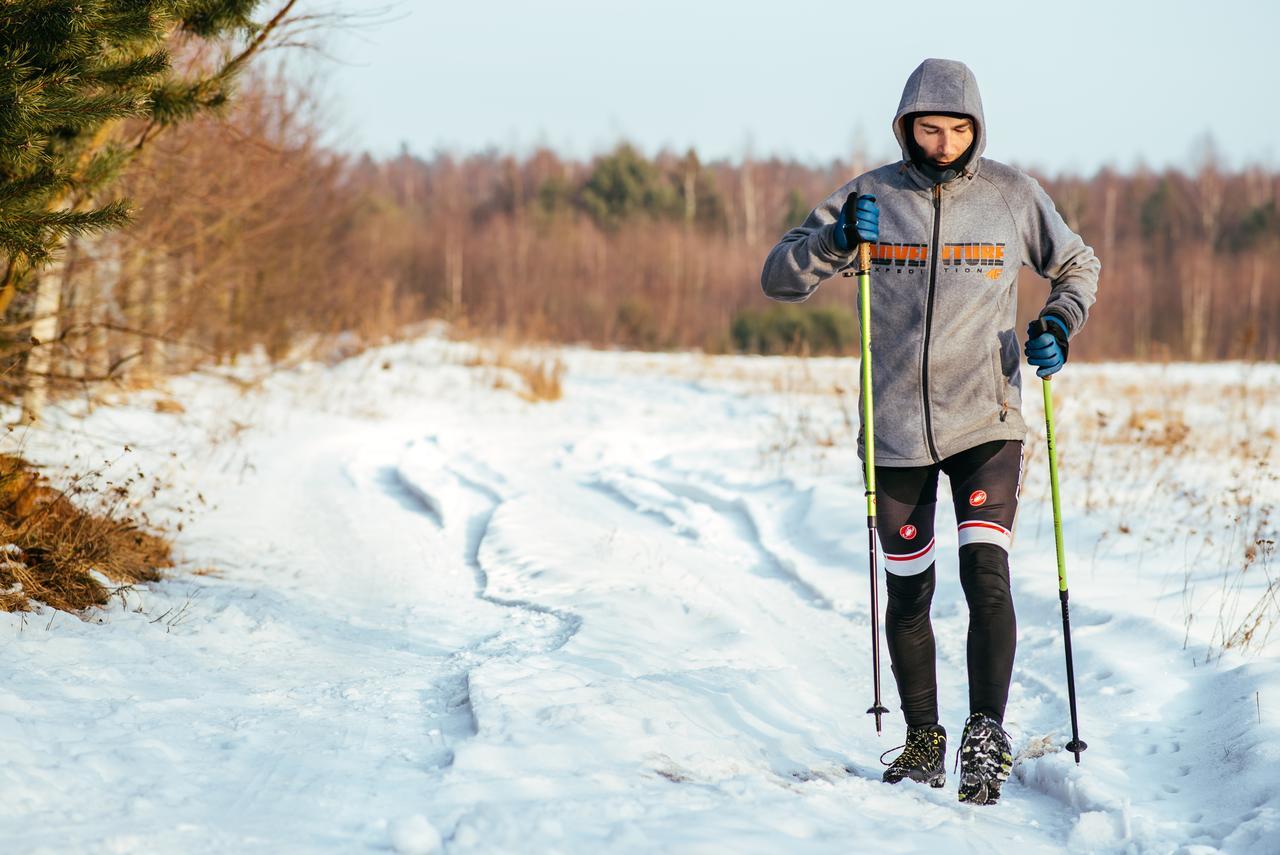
x=1047 y=345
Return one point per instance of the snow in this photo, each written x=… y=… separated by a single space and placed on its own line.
x=413 y=835
x=443 y=618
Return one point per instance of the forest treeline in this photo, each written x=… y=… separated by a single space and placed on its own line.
x=666 y=251
x=250 y=231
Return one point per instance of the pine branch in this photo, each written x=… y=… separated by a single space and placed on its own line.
x=213 y=89
x=35 y=234
x=31 y=189
x=130 y=72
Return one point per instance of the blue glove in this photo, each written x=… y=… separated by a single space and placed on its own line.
x=859 y=222
x=1047 y=345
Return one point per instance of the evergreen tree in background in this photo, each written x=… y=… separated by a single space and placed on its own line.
x=72 y=75
x=624 y=184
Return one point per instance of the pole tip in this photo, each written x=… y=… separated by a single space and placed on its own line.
x=1075 y=746
x=878 y=710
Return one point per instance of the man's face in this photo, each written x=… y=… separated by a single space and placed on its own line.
x=943 y=138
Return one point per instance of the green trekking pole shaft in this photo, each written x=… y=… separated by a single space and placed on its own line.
x=862 y=267
x=1076 y=745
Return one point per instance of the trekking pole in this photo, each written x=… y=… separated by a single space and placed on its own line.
x=863 y=269
x=1076 y=745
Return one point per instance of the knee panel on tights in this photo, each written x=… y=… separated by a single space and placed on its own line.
x=984 y=575
x=910 y=596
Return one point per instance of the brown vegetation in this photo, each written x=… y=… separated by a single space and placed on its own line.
x=532 y=376
x=52 y=550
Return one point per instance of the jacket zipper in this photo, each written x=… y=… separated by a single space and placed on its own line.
x=928 y=321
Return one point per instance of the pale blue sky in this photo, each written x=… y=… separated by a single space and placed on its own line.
x=1066 y=86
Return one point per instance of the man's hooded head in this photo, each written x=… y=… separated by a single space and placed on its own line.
x=940 y=87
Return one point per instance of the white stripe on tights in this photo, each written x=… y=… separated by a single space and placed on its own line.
x=909 y=563
x=980 y=531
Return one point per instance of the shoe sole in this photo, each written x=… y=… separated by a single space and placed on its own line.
x=983 y=793
x=937 y=781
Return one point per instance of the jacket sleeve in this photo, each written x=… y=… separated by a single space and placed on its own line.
x=807 y=254
x=1059 y=255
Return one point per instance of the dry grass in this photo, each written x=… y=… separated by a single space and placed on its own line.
x=801 y=428
x=531 y=376
x=56 y=553
x=1192 y=464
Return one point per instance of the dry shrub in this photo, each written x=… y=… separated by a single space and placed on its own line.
x=1256 y=626
x=539 y=378
x=51 y=549
x=542 y=379
x=1166 y=430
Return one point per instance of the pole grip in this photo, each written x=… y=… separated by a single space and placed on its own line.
x=863 y=263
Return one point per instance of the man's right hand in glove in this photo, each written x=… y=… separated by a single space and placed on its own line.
x=859 y=222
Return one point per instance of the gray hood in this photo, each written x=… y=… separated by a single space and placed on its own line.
x=942 y=86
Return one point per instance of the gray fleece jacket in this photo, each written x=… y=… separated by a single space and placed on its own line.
x=944 y=349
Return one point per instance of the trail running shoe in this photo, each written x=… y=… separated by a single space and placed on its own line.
x=923 y=757
x=985 y=759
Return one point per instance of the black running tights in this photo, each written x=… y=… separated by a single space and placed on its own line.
x=984 y=483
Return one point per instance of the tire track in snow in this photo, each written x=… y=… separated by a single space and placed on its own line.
x=691 y=509
x=328 y=642
x=476 y=527
x=395 y=485
x=462 y=507
x=731 y=512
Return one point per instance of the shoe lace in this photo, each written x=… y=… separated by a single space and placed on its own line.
x=915 y=751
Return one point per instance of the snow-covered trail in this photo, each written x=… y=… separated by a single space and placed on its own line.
x=612 y=623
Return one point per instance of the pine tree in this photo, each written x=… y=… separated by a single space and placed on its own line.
x=624 y=184
x=84 y=86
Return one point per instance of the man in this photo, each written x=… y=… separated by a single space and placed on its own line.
x=949 y=231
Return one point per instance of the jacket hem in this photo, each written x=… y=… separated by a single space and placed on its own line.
x=1014 y=428
x=1009 y=430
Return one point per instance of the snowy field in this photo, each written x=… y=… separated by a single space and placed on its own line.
x=416 y=612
